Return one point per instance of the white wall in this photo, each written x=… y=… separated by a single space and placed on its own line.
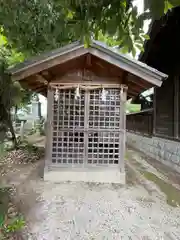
x=43 y=101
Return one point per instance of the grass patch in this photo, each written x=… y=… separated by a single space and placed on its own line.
x=138 y=165
x=131 y=178
x=127 y=155
x=172 y=193
x=3 y=151
x=4 y=200
x=9 y=225
x=31 y=148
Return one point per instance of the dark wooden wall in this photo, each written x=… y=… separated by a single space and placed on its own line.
x=164 y=119
x=162 y=52
x=167 y=108
x=141 y=123
x=178 y=105
x=164 y=109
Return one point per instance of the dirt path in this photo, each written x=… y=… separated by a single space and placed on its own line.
x=96 y=211
x=146 y=208
x=164 y=178
x=83 y=211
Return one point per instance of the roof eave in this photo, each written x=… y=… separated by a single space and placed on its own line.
x=135 y=65
x=61 y=51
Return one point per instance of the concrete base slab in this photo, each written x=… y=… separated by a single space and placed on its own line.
x=83 y=175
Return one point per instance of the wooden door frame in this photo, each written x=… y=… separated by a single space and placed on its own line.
x=49 y=131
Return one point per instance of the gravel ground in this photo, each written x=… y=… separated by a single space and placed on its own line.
x=92 y=211
x=81 y=211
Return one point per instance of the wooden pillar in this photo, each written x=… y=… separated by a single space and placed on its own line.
x=176 y=106
x=154 y=112
x=48 y=130
x=86 y=132
x=123 y=98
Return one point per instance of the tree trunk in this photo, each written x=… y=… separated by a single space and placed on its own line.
x=15 y=114
x=8 y=121
x=10 y=125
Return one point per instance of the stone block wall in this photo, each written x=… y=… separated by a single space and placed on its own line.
x=160 y=149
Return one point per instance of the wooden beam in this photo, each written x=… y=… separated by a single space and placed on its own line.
x=39 y=89
x=49 y=130
x=88 y=75
x=88 y=62
x=47 y=75
x=48 y=63
x=106 y=68
x=38 y=82
x=41 y=79
x=139 y=91
x=136 y=87
x=34 y=80
x=134 y=68
x=124 y=78
x=66 y=85
x=33 y=85
x=132 y=92
x=139 y=82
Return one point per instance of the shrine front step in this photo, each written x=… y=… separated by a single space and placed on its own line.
x=96 y=175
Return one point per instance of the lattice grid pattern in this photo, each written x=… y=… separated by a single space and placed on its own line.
x=86 y=130
x=103 y=148
x=68 y=128
x=104 y=117
x=104 y=114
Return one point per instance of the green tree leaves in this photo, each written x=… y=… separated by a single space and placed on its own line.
x=160 y=7
x=36 y=26
x=156 y=8
x=174 y=3
x=11 y=93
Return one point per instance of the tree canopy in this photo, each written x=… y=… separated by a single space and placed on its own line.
x=11 y=93
x=10 y=57
x=36 y=26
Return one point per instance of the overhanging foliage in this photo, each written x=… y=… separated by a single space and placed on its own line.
x=11 y=93
x=35 y=26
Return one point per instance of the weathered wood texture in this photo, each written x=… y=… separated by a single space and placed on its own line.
x=103 y=62
x=178 y=107
x=162 y=52
x=99 y=68
x=164 y=120
x=164 y=123
x=141 y=122
x=86 y=131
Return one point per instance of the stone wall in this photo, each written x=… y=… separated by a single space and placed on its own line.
x=160 y=149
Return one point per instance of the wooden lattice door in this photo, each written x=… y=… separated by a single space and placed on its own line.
x=87 y=131
x=68 y=128
x=104 y=128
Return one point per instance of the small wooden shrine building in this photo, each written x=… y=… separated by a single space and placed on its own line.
x=86 y=89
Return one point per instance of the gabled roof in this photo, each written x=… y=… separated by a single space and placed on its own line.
x=136 y=71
